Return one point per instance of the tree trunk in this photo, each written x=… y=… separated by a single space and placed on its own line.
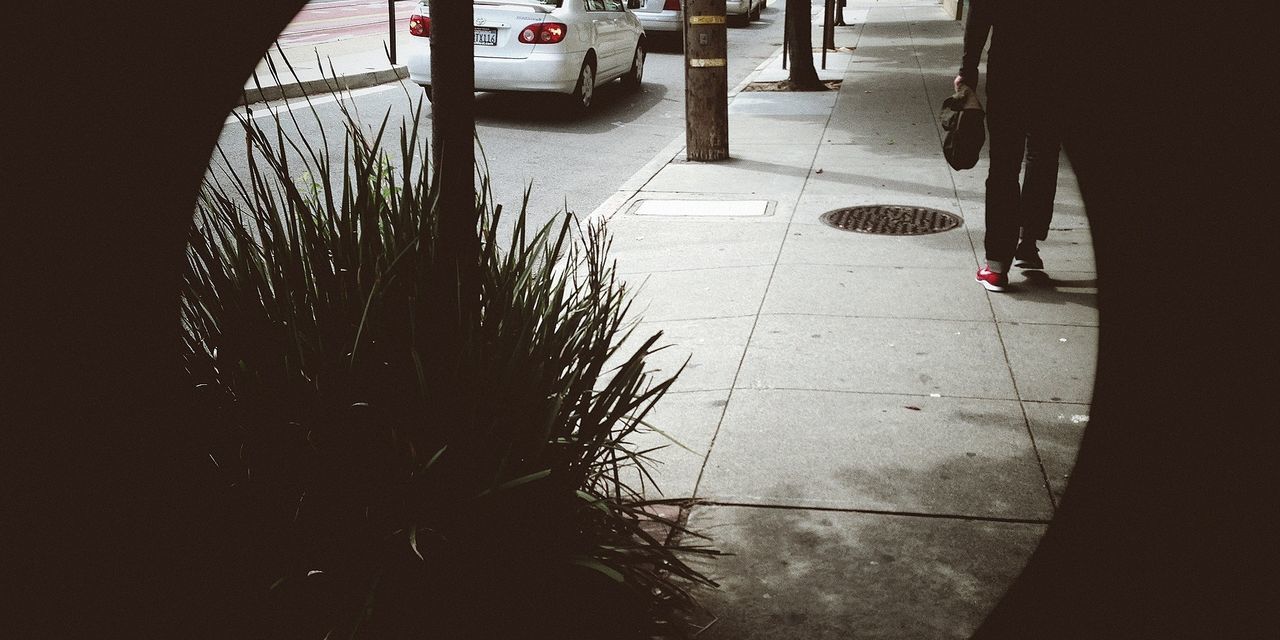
x=453 y=150
x=799 y=26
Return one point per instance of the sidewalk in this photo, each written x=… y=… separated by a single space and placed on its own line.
x=352 y=63
x=878 y=440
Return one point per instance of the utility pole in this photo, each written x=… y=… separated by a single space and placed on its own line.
x=828 y=28
x=706 y=81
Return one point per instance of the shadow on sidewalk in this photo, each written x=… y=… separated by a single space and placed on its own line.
x=814 y=574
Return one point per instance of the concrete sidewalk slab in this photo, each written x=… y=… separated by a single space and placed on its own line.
x=680 y=244
x=689 y=421
x=877 y=355
x=1052 y=362
x=710 y=350
x=895 y=437
x=820 y=575
x=859 y=168
x=1057 y=429
x=1064 y=297
x=819 y=244
x=701 y=294
x=878 y=452
x=876 y=291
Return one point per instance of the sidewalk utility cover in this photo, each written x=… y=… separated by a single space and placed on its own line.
x=701 y=208
x=892 y=220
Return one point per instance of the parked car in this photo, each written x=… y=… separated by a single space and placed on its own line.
x=659 y=16
x=742 y=12
x=557 y=46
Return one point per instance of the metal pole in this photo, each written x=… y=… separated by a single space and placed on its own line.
x=785 y=33
x=828 y=30
x=391 y=20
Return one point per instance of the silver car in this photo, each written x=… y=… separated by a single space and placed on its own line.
x=658 y=16
x=742 y=12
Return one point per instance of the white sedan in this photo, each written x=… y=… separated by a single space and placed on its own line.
x=558 y=46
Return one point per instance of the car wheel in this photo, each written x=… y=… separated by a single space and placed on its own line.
x=755 y=14
x=635 y=76
x=584 y=93
x=426 y=90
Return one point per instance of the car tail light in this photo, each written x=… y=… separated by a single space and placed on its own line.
x=420 y=26
x=544 y=33
x=671 y=5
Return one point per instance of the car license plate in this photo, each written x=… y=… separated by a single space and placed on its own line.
x=487 y=36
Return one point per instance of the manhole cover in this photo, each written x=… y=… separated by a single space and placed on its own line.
x=892 y=220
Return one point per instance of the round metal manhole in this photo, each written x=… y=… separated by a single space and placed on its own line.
x=892 y=220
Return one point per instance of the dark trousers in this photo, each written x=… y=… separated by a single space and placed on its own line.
x=1019 y=127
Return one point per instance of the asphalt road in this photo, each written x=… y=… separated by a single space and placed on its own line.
x=529 y=141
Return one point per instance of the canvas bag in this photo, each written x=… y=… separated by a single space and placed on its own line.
x=965 y=123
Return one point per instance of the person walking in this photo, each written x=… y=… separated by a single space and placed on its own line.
x=1024 y=118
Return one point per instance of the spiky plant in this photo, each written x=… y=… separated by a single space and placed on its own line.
x=414 y=471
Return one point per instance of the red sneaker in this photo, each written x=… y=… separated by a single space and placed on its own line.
x=991 y=280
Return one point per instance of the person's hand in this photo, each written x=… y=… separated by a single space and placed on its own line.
x=959 y=82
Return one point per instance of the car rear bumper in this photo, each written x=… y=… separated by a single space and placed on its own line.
x=737 y=7
x=665 y=21
x=541 y=71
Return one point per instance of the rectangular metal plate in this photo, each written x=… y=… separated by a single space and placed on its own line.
x=718 y=208
x=486 y=36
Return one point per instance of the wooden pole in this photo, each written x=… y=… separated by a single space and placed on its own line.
x=706 y=81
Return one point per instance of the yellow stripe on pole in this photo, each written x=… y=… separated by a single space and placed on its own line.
x=706 y=62
x=706 y=19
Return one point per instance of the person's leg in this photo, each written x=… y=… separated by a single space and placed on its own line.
x=1007 y=142
x=1040 y=183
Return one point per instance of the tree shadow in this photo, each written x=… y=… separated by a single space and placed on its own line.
x=816 y=574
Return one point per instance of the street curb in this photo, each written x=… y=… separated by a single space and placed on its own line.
x=614 y=203
x=297 y=89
